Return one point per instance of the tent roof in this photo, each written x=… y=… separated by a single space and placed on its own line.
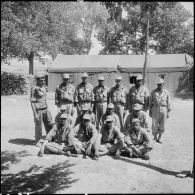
x=126 y=63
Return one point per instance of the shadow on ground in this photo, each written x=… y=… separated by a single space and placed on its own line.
x=21 y=141
x=38 y=180
x=11 y=157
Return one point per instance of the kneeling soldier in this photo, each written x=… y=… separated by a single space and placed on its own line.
x=57 y=138
x=137 y=142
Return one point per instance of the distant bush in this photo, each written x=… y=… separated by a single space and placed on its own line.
x=15 y=84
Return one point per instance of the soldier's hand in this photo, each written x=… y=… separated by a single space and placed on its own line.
x=88 y=150
x=36 y=117
x=40 y=153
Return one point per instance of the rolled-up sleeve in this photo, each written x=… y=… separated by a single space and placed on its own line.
x=32 y=95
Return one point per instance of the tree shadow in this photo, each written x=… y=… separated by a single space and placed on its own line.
x=22 y=141
x=161 y=170
x=38 y=180
x=8 y=158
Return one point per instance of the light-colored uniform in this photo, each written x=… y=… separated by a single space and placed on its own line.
x=143 y=118
x=101 y=101
x=57 y=119
x=64 y=95
x=38 y=98
x=116 y=120
x=139 y=96
x=118 y=96
x=84 y=95
x=159 y=105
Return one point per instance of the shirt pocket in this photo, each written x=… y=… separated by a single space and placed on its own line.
x=164 y=101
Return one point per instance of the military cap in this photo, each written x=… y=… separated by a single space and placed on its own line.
x=64 y=116
x=110 y=105
x=85 y=107
x=118 y=78
x=100 y=78
x=135 y=120
x=66 y=76
x=109 y=118
x=40 y=75
x=86 y=117
x=139 y=77
x=84 y=75
x=137 y=107
x=63 y=107
x=160 y=81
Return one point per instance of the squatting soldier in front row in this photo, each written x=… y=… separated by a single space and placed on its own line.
x=159 y=109
x=40 y=108
x=138 y=94
x=57 y=139
x=137 y=113
x=64 y=94
x=137 y=142
x=118 y=96
x=101 y=100
x=84 y=138
x=84 y=94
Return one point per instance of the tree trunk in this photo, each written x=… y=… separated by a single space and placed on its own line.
x=30 y=58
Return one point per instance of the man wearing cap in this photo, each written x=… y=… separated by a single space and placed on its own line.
x=84 y=138
x=110 y=112
x=84 y=94
x=57 y=138
x=137 y=113
x=118 y=96
x=40 y=108
x=64 y=94
x=112 y=140
x=64 y=110
x=159 y=109
x=138 y=94
x=101 y=99
x=137 y=141
x=85 y=110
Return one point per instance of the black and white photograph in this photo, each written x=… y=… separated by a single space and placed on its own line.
x=97 y=97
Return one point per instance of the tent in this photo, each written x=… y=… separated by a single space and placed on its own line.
x=174 y=68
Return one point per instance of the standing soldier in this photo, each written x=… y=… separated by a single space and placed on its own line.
x=101 y=100
x=139 y=94
x=159 y=109
x=40 y=108
x=118 y=96
x=84 y=94
x=64 y=94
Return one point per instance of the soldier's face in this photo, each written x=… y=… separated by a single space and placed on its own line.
x=63 y=121
x=84 y=111
x=41 y=82
x=101 y=82
x=118 y=82
x=63 y=111
x=160 y=86
x=138 y=82
x=108 y=124
x=85 y=122
x=110 y=110
x=136 y=112
x=65 y=80
x=136 y=126
x=84 y=79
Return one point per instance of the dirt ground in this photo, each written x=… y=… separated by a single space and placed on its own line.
x=23 y=171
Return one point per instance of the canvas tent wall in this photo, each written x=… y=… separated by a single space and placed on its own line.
x=174 y=67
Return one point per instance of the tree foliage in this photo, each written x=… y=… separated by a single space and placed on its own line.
x=168 y=31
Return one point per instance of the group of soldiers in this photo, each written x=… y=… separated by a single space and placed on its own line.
x=96 y=121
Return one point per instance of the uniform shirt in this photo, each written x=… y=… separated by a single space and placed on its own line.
x=64 y=94
x=142 y=117
x=101 y=93
x=79 y=119
x=84 y=93
x=109 y=135
x=139 y=138
x=38 y=97
x=139 y=95
x=57 y=119
x=158 y=99
x=59 y=133
x=83 y=133
x=116 y=120
x=118 y=95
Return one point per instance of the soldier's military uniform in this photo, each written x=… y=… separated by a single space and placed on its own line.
x=118 y=96
x=84 y=94
x=64 y=95
x=143 y=118
x=101 y=100
x=138 y=95
x=38 y=101
x=159 y=106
